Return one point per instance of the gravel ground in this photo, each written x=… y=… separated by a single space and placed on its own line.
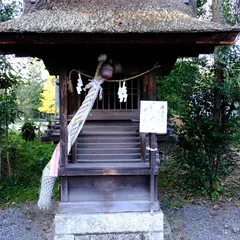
x=26 y=222
x=204 y=222
x=197 y=221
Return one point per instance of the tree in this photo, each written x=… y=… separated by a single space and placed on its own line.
x=221 y=61
x=8 y=103
x=48 y=96
x=8 y=79
x=208 y=100
x=29 y=92
x=9 y=10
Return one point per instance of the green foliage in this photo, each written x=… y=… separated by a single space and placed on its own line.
x=231 y=11
x=28 y=131
x=176 y=87
x=8 y=77
x=8 y=102
x=29 y=93
x=204 y=155
x=28 y=161
x=200 y=8
x=8 y=10
x=8 y=108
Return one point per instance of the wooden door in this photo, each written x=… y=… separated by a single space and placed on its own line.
x=110 y=107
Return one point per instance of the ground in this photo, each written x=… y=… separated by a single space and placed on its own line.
x=195 y=218
x=26 y=222
x=198 y=218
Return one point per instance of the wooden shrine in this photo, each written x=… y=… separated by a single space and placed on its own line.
x=109 y=168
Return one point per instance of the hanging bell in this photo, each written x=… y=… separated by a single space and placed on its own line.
x=106 y=71
x=117 y=68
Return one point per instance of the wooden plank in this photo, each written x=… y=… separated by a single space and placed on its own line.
x=108 y=150
x=63 y=118
x=93 y=161
x=100 y=139
x=118 y=114
x=109 y=133
x=107 y=206
x=109 y=145
x=64 y=189
x=124 y=193
x=150 y=39
x=112 y=156
x=105 y=168
x=104 y=188
x=103 y=128
x=100 y=165
x=108 y=182
x=97 y=172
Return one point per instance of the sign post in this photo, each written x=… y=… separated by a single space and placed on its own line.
x=153 y=119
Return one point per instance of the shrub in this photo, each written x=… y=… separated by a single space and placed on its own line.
x=28 y=131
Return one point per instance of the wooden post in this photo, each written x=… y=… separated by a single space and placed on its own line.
x=143 y=146
x=152 y=95
x=63 y=132
x=145 y=87
x=63 y=118
x=152 y=160
x=64 y=189
x=152 y=87
x=74 y=152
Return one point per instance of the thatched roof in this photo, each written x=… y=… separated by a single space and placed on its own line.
x=109 y=16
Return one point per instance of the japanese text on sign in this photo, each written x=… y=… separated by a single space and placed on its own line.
x=153 y=117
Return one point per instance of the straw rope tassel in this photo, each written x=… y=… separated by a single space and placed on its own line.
x=74 y=128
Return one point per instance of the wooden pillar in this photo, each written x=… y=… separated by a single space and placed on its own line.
x=152 y=95
x=152 y=160
x=152 y=86
x=63 y=132
x=145 y=88
x=63 y=118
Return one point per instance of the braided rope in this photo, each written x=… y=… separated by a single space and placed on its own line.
x=74 y=128
x=77 y=122
x=120 y=80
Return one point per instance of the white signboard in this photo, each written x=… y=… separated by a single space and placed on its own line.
x=153 y=117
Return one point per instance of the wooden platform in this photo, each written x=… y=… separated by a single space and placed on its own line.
x=107 y=171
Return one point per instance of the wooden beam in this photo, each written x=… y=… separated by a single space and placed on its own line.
x=217 y=38
x=107 y=206
x=63 y=118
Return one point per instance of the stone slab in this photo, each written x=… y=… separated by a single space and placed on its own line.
x=111 y=237
x=64 y=237
x=130 y=236
x=108 y=223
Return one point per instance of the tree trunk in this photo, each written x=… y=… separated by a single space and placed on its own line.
x=218 y=98
x=1 y=161
x=7 y=140
x=217 y=11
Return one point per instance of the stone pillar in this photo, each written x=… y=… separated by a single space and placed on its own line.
x=109 y=226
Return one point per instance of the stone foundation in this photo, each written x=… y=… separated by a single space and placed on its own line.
x=109 y=226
